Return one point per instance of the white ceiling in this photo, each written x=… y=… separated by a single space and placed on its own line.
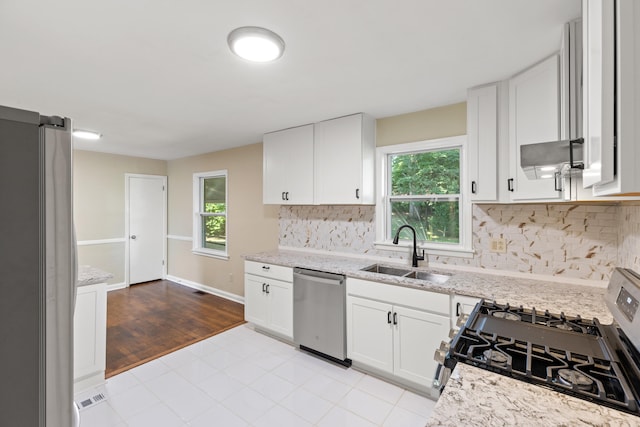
x=157 y=79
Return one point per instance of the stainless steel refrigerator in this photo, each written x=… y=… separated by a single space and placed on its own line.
x=37 y=270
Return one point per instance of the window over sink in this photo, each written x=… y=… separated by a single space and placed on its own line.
x=210 y=214
x=422 y=184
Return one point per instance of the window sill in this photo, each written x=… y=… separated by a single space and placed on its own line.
x=210 y=254
x=458 y=252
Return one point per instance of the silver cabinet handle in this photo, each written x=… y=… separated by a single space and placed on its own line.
x=133 y=237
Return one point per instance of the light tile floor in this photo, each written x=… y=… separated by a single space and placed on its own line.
x=244 y=378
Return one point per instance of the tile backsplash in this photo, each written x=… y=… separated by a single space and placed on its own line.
x=578 y=241
x=629 y=236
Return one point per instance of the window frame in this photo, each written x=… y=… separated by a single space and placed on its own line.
x=464 y=247
x=198 y=198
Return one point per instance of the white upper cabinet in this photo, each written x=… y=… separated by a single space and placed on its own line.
x=598 y=21
x=482 y=137
x=288 y=166
x=344 y=154
x=534 y=116
x=612 y=96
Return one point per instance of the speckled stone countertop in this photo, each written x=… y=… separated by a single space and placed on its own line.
x=88 y=275
x=474 y=396
x=545 y=295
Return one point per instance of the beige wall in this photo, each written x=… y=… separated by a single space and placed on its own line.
x=252 y=227
x=98 y=186
x=440 y=122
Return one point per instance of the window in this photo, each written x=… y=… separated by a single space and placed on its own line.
x=210 y=214
x=422 y=184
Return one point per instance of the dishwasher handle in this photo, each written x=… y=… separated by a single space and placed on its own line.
x=318 y=279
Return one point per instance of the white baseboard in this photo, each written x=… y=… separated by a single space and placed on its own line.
x=116 y=286
x=91 y=381
x=207 y=289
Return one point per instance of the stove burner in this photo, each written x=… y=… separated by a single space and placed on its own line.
x=495 y=357
x=564 y=326
x=571 y=377
x=505 y=315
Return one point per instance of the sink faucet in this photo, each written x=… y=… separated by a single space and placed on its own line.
x=415 y=258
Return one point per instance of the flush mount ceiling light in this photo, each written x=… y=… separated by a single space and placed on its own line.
x=86 y=134
x=256 y=44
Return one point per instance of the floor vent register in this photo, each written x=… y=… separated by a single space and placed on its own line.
x=89 y=401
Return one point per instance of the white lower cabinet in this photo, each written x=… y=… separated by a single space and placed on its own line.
x=268 y=302
x=461 y=304
x=89 y=336
x=416 y=337
x=370 y=333
x=396 y=330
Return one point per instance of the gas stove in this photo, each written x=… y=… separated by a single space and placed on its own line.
x=572 y=355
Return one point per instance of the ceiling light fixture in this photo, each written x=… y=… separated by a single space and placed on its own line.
x=256 y=44
x=86 y=134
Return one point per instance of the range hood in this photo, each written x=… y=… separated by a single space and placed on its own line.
x=545 y=160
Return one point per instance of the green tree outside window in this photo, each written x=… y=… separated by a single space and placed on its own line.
x=425 y=193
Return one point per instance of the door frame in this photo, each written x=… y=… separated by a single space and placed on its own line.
x=127 y=180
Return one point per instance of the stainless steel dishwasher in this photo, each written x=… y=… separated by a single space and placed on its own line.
x=319 y=312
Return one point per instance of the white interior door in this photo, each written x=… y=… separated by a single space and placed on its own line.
x=146 y=227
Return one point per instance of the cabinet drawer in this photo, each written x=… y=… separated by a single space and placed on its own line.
x=398 y=295
x=269 y=270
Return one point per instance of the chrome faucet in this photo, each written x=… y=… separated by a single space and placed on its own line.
x=415 y=258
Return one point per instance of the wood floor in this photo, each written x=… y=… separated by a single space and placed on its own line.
x=149 y=320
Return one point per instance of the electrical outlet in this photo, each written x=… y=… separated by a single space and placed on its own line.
x=499 y=245
x=230 y=277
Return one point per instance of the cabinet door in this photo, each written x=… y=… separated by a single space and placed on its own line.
x=534 y=116
x=288 y=166
x=280 y=297
x=599 y=36
x=255 y=300
x=417 y=335
x=90 y=331
x=461 y=305
x=370 y=334
x=345 y=160
x=482 y=136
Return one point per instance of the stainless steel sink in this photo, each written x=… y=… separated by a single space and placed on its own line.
x=436 y=278
x=383 y=269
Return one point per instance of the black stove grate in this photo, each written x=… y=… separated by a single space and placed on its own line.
x=544 y=354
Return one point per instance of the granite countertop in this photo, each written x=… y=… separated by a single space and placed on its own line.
x=545 y=295
x=475 y=396
x=88 y=275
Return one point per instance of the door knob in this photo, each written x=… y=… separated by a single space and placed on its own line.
x=133 y=237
